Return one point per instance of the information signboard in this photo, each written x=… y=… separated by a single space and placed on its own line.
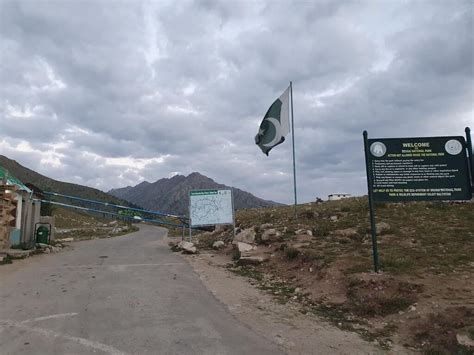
x=211 y=207
x=419 y=169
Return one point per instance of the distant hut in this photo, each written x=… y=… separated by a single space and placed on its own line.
x=333 y=197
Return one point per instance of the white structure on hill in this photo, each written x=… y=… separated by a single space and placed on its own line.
x=333 y=197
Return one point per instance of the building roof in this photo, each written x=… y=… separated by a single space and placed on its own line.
x=11 y=180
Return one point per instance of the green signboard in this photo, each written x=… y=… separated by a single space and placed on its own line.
x=418 y=169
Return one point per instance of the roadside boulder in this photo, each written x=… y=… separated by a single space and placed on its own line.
x=304 y=231
x=270 y=235
x=465 y=340
x=245 y=236
x=218 y=244
x=244 y=247
x=187 y=247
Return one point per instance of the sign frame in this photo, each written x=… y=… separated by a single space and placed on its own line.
x=466 y=151
x=191 y=226
x=419 y=169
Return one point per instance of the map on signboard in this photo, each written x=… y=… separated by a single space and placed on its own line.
x=210 y=207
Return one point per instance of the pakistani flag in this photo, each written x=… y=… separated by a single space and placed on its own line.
x=275 y=125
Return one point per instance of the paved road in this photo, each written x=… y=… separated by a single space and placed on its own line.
x=123 y=295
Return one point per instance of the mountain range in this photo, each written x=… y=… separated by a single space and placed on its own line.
x=170 y=195
x=166 y=195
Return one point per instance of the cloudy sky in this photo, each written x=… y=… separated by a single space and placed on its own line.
x=111 y=93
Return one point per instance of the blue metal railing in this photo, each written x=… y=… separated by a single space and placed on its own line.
x=158 y=213
x=158 y=221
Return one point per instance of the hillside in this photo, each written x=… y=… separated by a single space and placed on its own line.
x=171 y=195
x=47 y=184
x=423 y=297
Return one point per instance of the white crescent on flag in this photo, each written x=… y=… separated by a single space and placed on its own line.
x=278 y=136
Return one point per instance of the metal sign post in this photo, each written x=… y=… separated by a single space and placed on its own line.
x=470 y=155
x=373 y=230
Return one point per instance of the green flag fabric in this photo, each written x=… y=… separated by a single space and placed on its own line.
x=275 y=125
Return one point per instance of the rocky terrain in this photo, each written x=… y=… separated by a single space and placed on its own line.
x=421 y=300
x=79 y=226
x=171 y=195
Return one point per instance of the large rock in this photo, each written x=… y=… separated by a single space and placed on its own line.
x=244 y=247
x=187 y=247
x=266 y=226
x=346 y=233
x=245 y=236
x=304 y=231
x=270 y=235
x=464 y=340
x=218 y=244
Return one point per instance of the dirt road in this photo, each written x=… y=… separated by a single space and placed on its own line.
x=123 y=295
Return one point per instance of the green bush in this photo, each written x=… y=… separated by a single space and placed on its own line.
x=322 y=229
x=291 y=253
x=235 y=254
x=308 y=214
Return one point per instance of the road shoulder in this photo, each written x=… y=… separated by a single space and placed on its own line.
x=282 y=324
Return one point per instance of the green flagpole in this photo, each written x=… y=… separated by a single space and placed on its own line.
x=293 y=141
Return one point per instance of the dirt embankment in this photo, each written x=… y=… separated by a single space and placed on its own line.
x=422 y=300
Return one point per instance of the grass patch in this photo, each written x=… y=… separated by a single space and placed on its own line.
x=334 y=313
x=307 y=214
x=322 y=228
x=397 y=264
x=6 y=260
x=470 y=333
x=291 y=253
x=247 y=271
x=235 y=254
x=379 y=306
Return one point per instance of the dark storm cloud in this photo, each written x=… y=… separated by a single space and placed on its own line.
x=111 y=93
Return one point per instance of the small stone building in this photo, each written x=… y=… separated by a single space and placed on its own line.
x=19 y=212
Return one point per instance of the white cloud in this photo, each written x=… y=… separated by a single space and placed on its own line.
x=111 y=93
